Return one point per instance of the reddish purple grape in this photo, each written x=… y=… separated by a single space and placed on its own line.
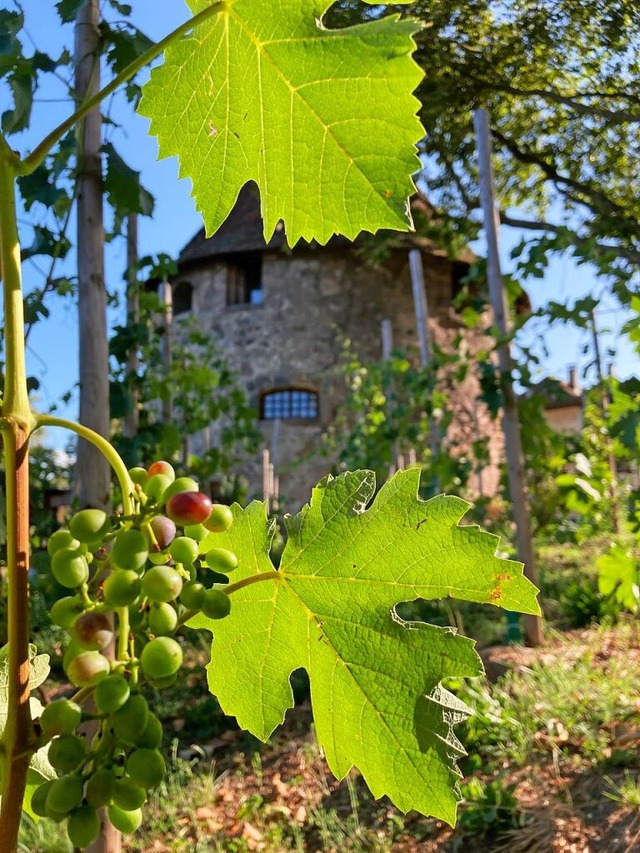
x=164 y=529
x=93 y=630
x=189 y=508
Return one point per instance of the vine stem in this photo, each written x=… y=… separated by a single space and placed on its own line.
x=18 y=741
x=119 y=468
x=33 y=160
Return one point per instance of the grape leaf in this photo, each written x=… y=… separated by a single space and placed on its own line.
x=322 y=120
x=39 y=767
x=376 y=680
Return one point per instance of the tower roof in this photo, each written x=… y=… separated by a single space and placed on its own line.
x=242 y=232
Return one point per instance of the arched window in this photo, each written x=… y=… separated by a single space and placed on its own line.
x=182 y=297
x=289 y=404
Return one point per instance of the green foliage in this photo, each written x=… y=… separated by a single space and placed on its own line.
x=343 y=570
x=389 y=410
x=619 y=576
x=558 y=80
x=488 y=807
x=200 y=387
x=267 y=94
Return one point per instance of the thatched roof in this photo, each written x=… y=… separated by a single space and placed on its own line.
x=242 y=232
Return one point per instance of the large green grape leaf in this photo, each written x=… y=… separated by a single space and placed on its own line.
x=376 y=691
x=322 y=120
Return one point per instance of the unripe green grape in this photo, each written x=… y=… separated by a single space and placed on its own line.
x=139 y=476
x=156 y=486
x=121 y=588
x=93 y=630
x=151 y=736
x=162 y=467
x=64 y=795
x=183 y=549
x=216 y=604
x=70 y=567
x=65 y=611
x=89 y=525
x=111 y=693
x=83 y=827
x=182 y=484
x=99 y=787
x=161 y=583
x=159 y=558
x=125 y=821
x=73 y=650
x=220 y=520
x=221 y=560
x=61 y=539
x=164 y=530
x=39 y=799
x=87 y=669
x=128 y=795
x=60 y=717
x=192 y=595
x=162 y=619
x=161 y=658
x=146 y=767
x=196 y=531
x=131 y=719
x=163 y=684
x=67 y=753
x=130 y=550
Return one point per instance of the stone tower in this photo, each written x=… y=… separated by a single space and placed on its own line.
x=279 y=316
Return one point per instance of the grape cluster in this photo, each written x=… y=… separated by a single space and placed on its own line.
x=135 y=580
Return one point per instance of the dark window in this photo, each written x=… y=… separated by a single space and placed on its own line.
x=182 y=297
x=459 y=271
x=289 y=404
x=244 y=280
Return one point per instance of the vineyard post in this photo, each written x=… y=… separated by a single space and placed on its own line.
x=510 y=419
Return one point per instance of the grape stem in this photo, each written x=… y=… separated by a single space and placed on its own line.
x=107 y=450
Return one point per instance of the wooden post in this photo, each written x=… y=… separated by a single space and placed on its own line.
x=266 y=477
x=387 y=339
x=510 y=421
x=133 y=312
x=166 y=299
x=386 y=332
x=604 y=405
x=421 y=307
x=93 y=476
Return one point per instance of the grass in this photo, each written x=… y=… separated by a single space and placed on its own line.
x=568 y=705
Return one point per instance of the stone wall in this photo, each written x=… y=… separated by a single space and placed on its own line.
x=311 y=300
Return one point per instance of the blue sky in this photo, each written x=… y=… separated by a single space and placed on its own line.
x=52 y=353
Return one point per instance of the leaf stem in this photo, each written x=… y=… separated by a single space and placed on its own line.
x=33 y=160
x=234 y=587
x=261 y=576
x=107 y=450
